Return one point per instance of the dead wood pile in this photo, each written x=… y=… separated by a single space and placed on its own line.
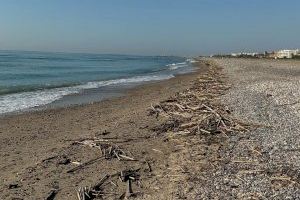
x=198 y=110
x=108 y=149
x=103 y=187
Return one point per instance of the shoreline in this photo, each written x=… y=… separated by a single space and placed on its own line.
x=95 y=95
x=29 y=138
x=61 y=76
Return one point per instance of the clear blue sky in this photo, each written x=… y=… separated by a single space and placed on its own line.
x=180 y=27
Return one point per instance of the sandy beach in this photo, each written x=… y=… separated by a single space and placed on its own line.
x=247 y=148
x=149 y=100
x=30 y=138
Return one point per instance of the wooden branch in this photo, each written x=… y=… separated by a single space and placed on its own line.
x=85 y=164
x=129 y=191
x=52 y=195
x=98 y=185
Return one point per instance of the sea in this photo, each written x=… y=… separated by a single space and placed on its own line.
x=31 y=80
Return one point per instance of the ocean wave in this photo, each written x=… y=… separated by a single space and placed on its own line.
x=191 y=60
x=26 y=100
x=175 y=66
x=31 y=88
x=137 y=79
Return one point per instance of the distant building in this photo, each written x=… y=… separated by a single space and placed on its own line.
x=286 y=53
x=244 y=54
x=274 y=54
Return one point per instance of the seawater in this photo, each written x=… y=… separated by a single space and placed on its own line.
x=32 y=79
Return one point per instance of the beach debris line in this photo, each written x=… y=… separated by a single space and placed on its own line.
x=197 y=121
x=197 y=110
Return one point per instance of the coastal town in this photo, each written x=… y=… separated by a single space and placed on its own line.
x=280 y=54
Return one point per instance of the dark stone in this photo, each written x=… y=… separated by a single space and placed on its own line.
x=13 y=186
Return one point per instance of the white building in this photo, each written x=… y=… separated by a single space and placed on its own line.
x=244 y=54
x=286 y=53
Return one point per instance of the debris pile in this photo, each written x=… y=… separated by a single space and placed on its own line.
x=108 y=186
x=85 y=193
x=99 y=189
x=197 y=110
x=108 y=150
x=201 y=127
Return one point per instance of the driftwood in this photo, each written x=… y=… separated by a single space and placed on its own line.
x=128 y=176
x=88 y=193
x=96 y=191
x=85 y=164
x=125 y=175
x=108 y=150
x=149 y=166
x=129 y=191
x=198 y=110
x=105 y=178
x=51 y=195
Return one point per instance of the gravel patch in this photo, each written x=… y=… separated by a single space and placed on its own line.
x=265 y=162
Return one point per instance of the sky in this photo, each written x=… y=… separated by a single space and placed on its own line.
x=149 y=27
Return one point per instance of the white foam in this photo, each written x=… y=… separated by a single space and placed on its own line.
x=190 y=60
x=175 y=66
x=137 y=79
x=21 y=101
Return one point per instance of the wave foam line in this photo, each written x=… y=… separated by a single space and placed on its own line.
x=175 y=66
x=21 y=101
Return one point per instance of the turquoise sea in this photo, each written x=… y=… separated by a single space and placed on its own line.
x=33 y=79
